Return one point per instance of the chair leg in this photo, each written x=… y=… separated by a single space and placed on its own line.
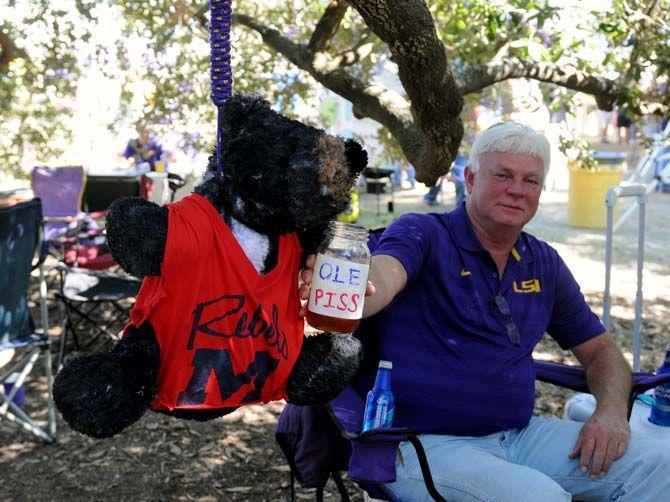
x=19 y=381
x=344 y=495
x=63 y=338
x=52 y=406
x=14 y=413
x=101 y=329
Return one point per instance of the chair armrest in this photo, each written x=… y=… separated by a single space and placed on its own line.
x=563 y=375
x=642 y=382
x=98 y=214
x=381 y=434
x=574 y=377
x=44 y=250
x=64 y=219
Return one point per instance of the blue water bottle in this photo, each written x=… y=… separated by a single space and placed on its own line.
x=660 y=409
x=379 y=405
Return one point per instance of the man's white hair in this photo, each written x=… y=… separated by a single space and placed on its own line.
x=510 y=137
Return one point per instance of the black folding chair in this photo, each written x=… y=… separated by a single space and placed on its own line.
x=20 y=241
x=95 y=300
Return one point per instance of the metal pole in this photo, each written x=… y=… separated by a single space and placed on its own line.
x=610 y=201
x=640 y=193
x=47 y=356
x=637 y=326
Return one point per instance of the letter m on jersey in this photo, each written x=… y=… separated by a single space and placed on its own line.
x=206 y=361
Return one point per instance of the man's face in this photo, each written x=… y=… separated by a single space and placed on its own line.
x=506 y=189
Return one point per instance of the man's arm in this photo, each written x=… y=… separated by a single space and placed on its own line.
x=604 y=437
x=387 y=277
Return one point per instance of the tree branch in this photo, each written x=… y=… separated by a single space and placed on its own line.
x=328 y=25
x=8 y=51
x=408 y=28
x=430 y=131
x=477 y=77
x=369 y=100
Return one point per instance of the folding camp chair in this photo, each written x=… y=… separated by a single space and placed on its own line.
x=73 y=236
x=84 y=294
x=20 y=240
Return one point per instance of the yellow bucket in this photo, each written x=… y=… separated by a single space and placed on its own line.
x=586 y=196
x=350 y=215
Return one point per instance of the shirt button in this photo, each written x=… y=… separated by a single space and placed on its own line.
x=495 y=274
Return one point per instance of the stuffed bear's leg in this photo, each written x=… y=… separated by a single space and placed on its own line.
x=101 y=394
x=136 y=235
x=326 y=365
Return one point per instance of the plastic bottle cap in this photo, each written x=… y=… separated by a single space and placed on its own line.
x=386 y=364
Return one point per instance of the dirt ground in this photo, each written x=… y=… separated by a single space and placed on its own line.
x=231 y=458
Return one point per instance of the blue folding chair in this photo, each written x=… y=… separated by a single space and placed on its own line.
x=20 y=242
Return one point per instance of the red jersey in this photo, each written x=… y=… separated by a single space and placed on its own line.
x=227 y=335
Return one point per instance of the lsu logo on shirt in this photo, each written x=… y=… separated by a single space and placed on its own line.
x=529 y=286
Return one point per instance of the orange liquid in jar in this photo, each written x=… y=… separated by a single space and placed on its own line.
x=332 y=324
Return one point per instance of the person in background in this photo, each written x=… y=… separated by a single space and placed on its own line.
x=606 y=120
x=457 y=176
x=144 y=148
x=624 y=127
x=430 y=197
x=402 y=170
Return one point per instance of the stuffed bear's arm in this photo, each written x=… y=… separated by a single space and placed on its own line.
x=102 y=394
x=310 y=240
x=136 y=235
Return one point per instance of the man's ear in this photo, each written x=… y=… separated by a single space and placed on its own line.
x=357 y=158
x=469 y=178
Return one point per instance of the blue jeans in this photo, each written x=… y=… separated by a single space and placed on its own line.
x=530 y=464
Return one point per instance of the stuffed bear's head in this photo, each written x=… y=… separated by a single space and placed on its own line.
x=280 y=175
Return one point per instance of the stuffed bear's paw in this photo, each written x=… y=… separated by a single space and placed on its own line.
x=98 y=396
x=326 y=365
x=136 y=235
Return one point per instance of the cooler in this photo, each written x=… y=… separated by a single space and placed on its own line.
x=580 y=407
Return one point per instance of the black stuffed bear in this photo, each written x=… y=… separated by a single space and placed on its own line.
x=279 y=185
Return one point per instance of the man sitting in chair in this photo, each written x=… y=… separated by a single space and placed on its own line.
x=461 y=299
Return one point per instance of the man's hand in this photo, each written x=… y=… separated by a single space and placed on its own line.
x=306 y=276
x=602 y=440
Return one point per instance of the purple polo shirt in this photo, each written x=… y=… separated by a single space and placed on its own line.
x=455 y=370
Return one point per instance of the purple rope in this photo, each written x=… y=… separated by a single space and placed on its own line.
x=220 y=71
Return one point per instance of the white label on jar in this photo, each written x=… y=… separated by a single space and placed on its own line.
x=338 y=287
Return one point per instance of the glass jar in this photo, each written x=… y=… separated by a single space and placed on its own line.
x=340 y=278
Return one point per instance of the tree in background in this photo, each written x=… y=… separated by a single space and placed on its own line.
x=445 y=52
x=38 y=77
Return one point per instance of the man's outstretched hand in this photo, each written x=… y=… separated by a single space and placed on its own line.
x=306 y=277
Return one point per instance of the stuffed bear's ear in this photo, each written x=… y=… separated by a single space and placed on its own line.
x=238 y=110
x=357 y=158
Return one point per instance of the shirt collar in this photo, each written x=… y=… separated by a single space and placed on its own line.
x=466 y=239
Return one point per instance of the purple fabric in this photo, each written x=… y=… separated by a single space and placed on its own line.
x=60 y=189
x=372 y=454
x=455 y=371
x=373 y=461
x=574 y=377
x=311 y=443
x=151 y=152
